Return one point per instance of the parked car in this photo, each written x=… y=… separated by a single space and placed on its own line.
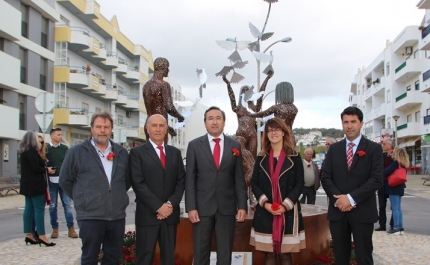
x=319 y=163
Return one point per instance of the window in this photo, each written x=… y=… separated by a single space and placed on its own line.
x=417 y=116
x=121 y=120
x=387 y=67
x=23 y=59
x=427 y=111
x=98 y=110
x=388 y=96
x=21 y=103
x=85 y=107
x=408 y=88
x=416 y=54
x=409 y=118
x=42 y=82
x=1 y=44
x=417 y=85
x=24 y=20
x=44 y=33
x=389 y=122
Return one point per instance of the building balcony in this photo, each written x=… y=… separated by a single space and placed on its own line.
x=409 y=129
x=10 y=121
x=408 y=99
x=353 y=100
x=94 y=47
x=408 y=69
x=368 y=116
x=425 y=87
x=102 y=87
x=142 y=134
x=369 y=92
x=122 y=67
x=132 y=103
x=11 y=17
x=379 y=83
x=111 y=60
x=425 y=128
x=80 y=38
x=79 y=78
x=407 y=38
x=111 y=93
x=132 y=131
x=379 y=112
x=122 y=97
x=10 y=69
x=73 y=117
x=102 y=52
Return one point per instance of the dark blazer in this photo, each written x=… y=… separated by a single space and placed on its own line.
x=155 y=185
x=290 y=182
x=33 y=171
x=361 y=181
x=208 y=189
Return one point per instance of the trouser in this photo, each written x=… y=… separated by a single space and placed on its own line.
x=54 y=191
x=310 y=193
x=34 y=210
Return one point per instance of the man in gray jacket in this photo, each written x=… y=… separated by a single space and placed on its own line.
x=94 y=174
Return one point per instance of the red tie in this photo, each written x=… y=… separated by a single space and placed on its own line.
x=217 y=151
x=162 y=156
x=349 y=154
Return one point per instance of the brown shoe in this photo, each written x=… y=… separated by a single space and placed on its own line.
x=72 y=232
x=54 y=233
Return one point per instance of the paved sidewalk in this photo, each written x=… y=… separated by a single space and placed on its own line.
x=388 y=249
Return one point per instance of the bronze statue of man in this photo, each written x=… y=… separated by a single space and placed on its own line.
x=158 y=97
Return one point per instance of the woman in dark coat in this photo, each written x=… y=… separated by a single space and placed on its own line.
x=277 y=182
x=395 y=193
x=33 y=187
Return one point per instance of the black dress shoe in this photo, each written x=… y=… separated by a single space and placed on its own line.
x=381 y=228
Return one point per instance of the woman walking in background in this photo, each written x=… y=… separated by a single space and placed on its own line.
x=277 y=182
x=33 y=187
x=395 y=193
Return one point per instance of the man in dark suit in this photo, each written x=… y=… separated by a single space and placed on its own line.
x=352 y=173
x=157 y=177
x=215 y=189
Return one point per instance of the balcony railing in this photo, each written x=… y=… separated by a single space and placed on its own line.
x=111 y=54
x=427 y=119
x=403 y=126
x=111 y=87
x=78 y=111
x=132 y=97
x=425 y=32
x=426 y=75
x=79 y=29
x=122 y=61
x=400 y=67
x=402 y=96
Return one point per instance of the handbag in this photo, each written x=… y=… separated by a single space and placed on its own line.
x=398 y=177
x=47 y=194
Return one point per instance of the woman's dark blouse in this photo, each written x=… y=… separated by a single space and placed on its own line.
x=33 y=170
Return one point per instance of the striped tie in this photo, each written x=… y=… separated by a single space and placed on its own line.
x=349 y=154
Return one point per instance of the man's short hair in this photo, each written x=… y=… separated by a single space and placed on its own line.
x=352 y=111
x=54 y=130
x=216 y=108
x=104 y=115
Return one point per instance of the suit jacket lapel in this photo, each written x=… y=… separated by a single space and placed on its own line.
x=342 y=145
x=361 y=146
x=227 y=152
x=153 y=154
x=169 y=155
x=206 y=148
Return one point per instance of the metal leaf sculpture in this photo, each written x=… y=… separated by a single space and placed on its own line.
x=262 y=57
x=232 y=44
x=270 y=1
x=239 y=64
x=235 y=57
x=248 y=93
x=268 y=69
x=224 y=71
x=254 y=31
x=266 y=36
x=254 y=46
x=236 y=78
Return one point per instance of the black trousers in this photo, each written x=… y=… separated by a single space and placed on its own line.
x=224 y=231
x=146 y=240
x=382 y=201
x=94 y=234
x=310 y=193
x=341 y=235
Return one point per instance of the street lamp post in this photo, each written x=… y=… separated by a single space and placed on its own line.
x=395 y=117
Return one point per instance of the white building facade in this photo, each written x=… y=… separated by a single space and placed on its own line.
x=393 y=92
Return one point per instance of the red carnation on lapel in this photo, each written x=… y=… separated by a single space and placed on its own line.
x=361 y=153
x=275 y=206
x=309 y=165
x=235 y=152
x=110 y=156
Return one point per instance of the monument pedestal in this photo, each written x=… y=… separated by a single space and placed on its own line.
x=316 y=230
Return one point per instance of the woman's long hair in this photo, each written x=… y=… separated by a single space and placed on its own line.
x=29 y=140
x=42 y=150
x=401 y=156
x=277 y=123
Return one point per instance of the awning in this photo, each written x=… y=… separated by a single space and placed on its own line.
x=409 y=142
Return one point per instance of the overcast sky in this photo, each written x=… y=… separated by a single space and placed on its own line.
x=331 y=40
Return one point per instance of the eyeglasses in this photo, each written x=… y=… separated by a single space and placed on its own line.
x=273 y=130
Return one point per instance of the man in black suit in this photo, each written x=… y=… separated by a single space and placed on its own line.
x=157 y=176
x=352 y=173
x=215 y=189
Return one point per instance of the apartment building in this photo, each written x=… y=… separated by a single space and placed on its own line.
x=27 y=61
x=393 y=92
x=97 y=68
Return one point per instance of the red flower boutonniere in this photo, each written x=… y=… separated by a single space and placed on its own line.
x=275 y=206
x=309 y=165
x=235 y=152
x=110 y=156
x=361 y=153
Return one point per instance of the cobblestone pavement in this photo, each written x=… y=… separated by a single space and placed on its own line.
x=388 y=249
